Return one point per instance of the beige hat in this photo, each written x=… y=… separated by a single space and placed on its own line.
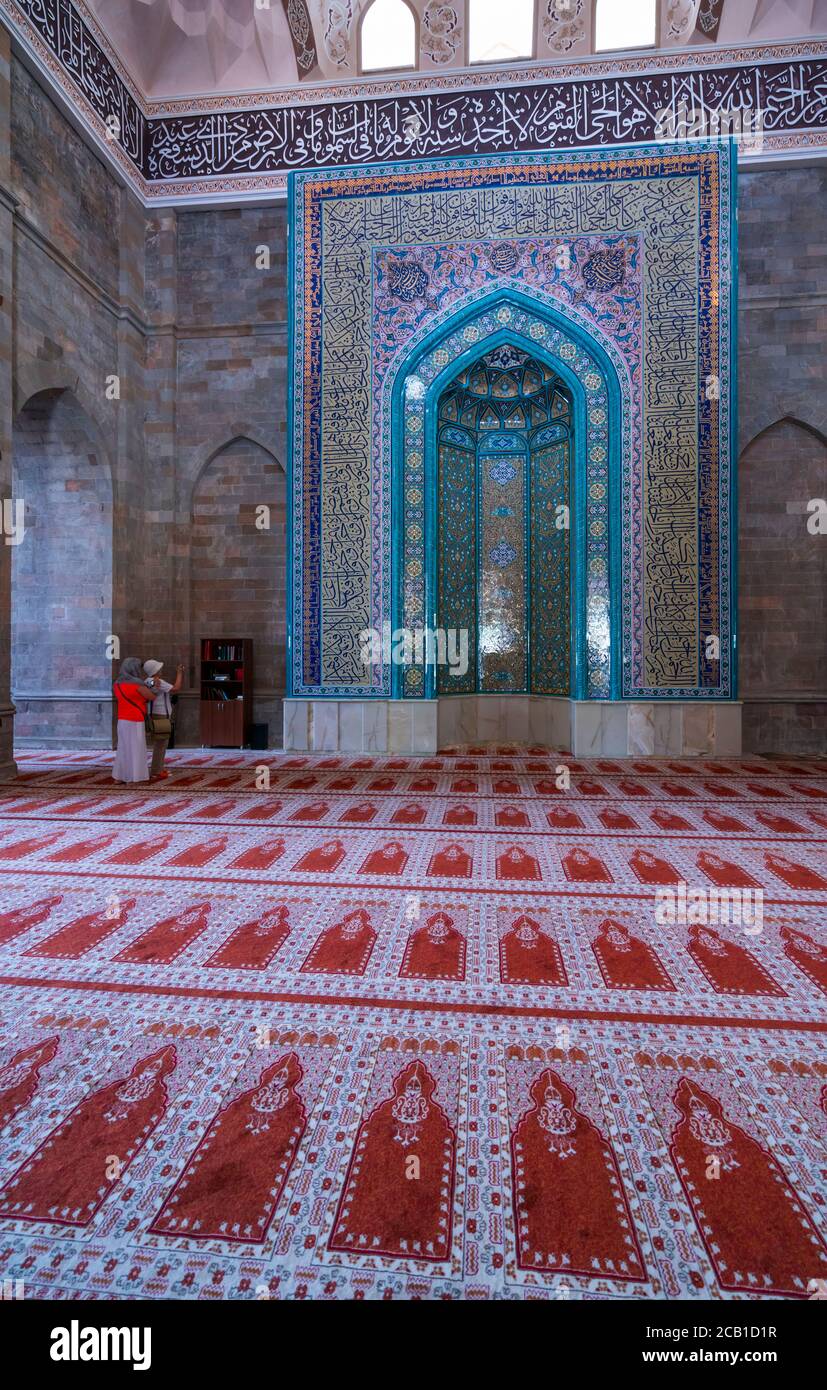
x=151 y=668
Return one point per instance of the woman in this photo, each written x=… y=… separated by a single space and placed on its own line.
x=133 y=694
x=161 y=715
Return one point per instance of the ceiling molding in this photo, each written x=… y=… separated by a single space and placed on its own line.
x=220 y=150
x=352 y=87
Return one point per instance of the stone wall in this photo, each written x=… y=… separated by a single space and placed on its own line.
x=783 y=458
x=8 y=768
x=186 y=314
x=188 y=310
x=237 y=568
x=216 y=381
x=783 y=590
x=77 y=243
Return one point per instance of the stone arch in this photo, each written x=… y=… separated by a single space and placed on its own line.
x=786 y=420
x=241 y=434
x=61 y=574
x=782 y=567
x=238 y=564
x=34 y=377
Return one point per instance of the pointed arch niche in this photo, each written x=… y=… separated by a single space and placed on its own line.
x=597 y=422
x=590 y=716
x=388 y=37
x=237 y=568
x=504 y=453
x=62 y=575
x=783 y=598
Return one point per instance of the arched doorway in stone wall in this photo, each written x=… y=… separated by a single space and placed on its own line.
x=782 y=607
x=61 y=576
x=237 y=571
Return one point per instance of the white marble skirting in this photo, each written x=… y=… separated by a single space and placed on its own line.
x=361 y=726
x=606 y=728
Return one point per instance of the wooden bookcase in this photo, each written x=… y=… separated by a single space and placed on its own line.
x=226 y=691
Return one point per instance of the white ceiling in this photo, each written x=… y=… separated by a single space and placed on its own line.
x=181 y=48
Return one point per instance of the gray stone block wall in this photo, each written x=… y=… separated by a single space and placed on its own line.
x=185 y=311
x=782 y=382
x=216 y=438
x=7 y=311
x=61 y=186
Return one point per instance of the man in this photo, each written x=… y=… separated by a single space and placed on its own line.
x=161 y=715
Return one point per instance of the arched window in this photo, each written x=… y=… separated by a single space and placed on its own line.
x=499 y=30
x=387 y=38
x=625 y=24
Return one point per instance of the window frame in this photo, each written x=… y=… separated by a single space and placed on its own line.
x=532 y=57
x=629 y=48
x=415 y=66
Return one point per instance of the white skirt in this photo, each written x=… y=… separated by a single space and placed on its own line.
x=130 y=759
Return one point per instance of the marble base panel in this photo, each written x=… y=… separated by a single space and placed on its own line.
x=527 y=719
x=608 y=728
x=360 y=726
x=652 y=729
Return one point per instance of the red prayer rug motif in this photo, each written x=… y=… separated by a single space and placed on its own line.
x=81 y=935
x=70 y=1174
x=231 y=1184
x=436 y=951
x=529 y=952
x=728 y=965
x=569 y=1202
x=37 y=1063
x=345 y=947
x=413 y=1027
x=255 y=944
x=753 y=1221
x=20 y=919
x=23 y=1065
x=398 y=1192
x=626 y=961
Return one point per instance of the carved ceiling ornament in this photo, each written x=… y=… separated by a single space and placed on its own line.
x=710 y=13
x=441 y=32
x=301 y=32
x=338 y=21
x=680 y=18
x=564 y=24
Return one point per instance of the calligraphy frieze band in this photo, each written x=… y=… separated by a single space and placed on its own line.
x=91 y=75
x=582 y=113
x=257 y=139
x=399 y=272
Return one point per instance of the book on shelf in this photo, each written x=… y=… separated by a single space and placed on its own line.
x=222 y=651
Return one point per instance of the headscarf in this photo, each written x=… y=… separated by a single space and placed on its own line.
x=131 y=673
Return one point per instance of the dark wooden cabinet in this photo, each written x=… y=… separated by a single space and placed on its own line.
x=226 y=691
